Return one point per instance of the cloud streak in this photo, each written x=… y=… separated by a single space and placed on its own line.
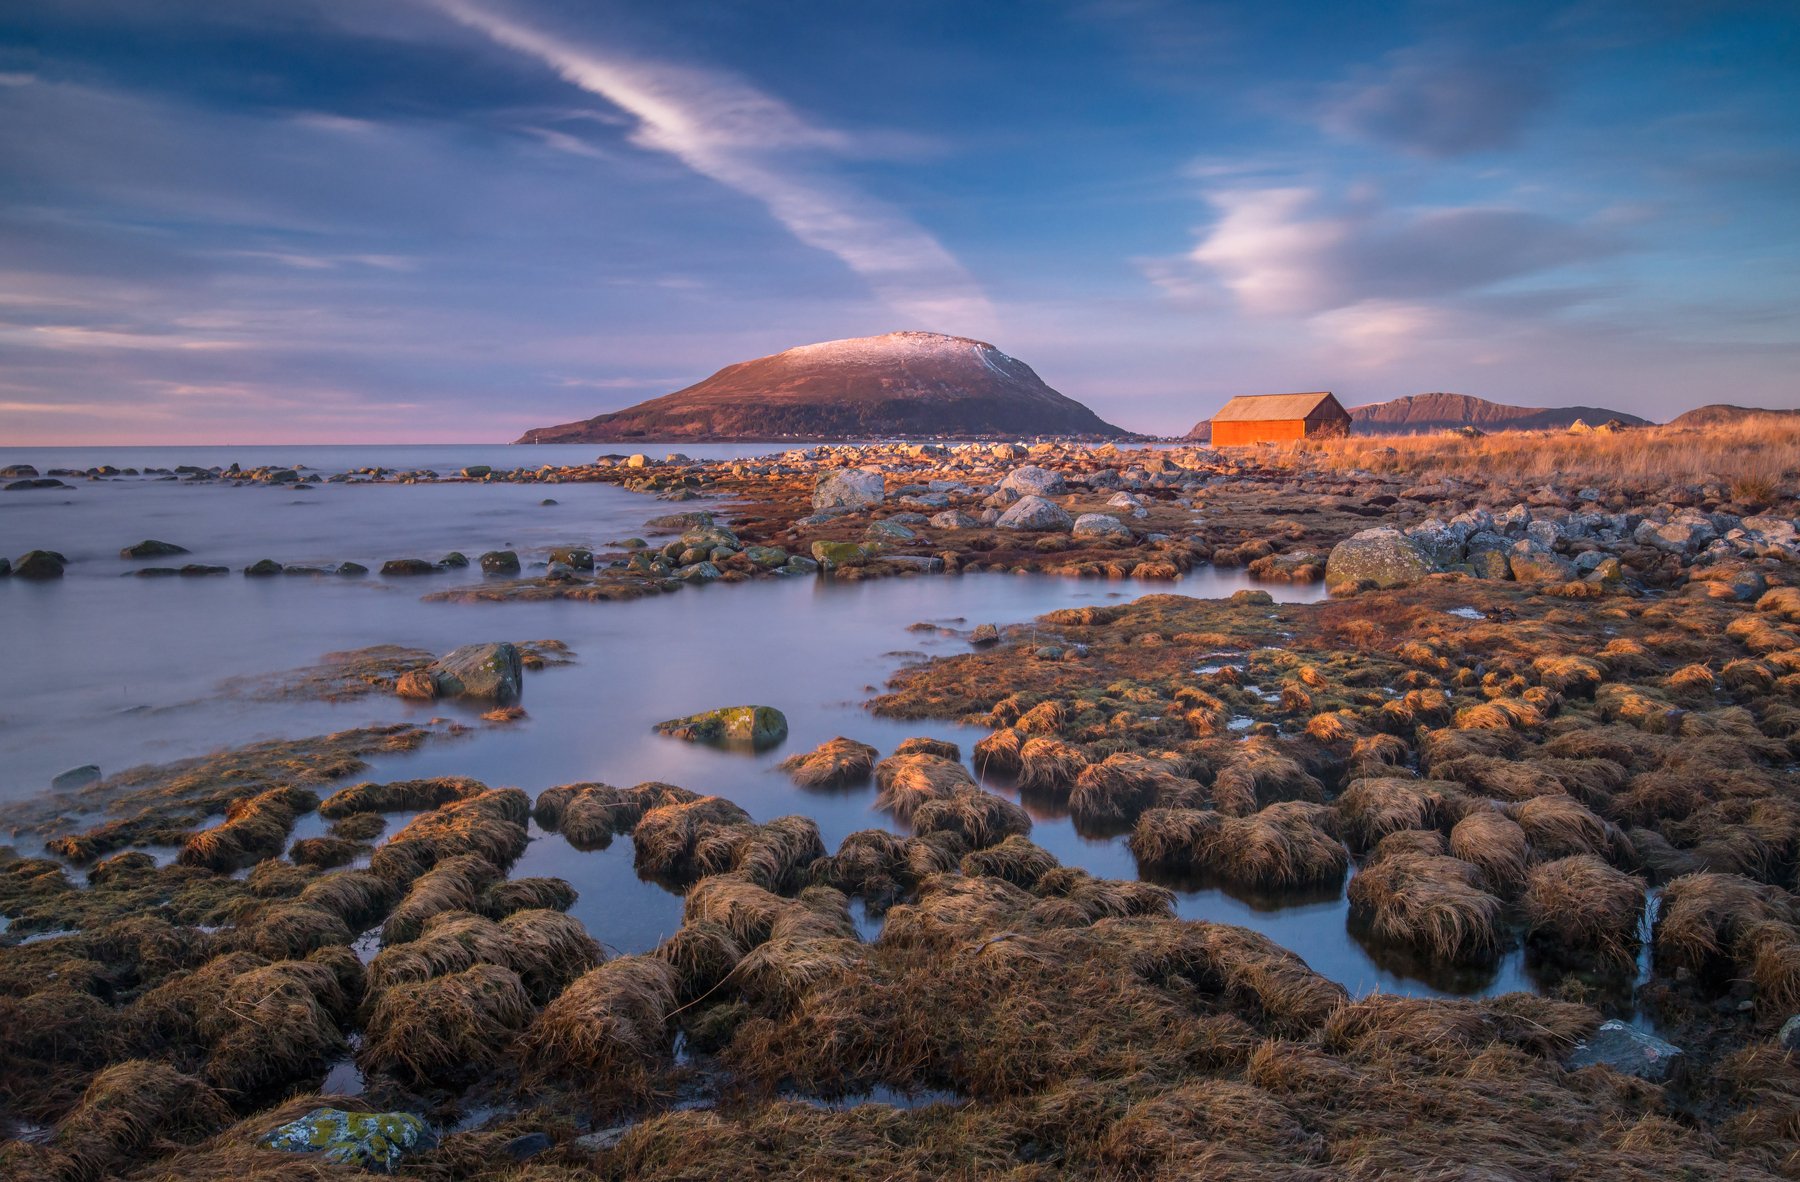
x=756 y=145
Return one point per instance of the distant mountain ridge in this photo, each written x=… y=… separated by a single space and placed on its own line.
x=1421 y=413
x=916 y=384
x=1718 y=414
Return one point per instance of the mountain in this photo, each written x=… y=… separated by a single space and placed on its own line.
x=1719 y=414
x=1417 y=414
x=900 y=384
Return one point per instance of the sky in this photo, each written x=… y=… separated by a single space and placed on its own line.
x=266 y=221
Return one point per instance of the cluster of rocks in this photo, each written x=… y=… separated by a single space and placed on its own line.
x=1556 y=545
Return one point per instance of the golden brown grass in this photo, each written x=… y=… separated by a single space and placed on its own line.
x=1284 y=846
x=399 y=796
x=1584 y=911
x=1493 y=843
x=446 y=1028
x=835 y=763
x=253 y=829
x=1119 y=787
x=907 y=782
x=1434 y=904
x=1754 y=455
x=607 y=1031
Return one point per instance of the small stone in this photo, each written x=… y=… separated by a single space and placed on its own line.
x=151 y=548
x=264 y=567
x=349 y=570
x=984 y=634
x=527 y=1146
x=476 y=471
x=417 y=685
x=1032 y=480
x=408 y=567
x=1626 y=1050
x=831 y=555
x=455 y=560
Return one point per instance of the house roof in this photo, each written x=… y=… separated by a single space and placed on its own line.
x=1261 y=408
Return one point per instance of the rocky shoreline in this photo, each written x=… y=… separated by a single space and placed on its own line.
x=1564 y=719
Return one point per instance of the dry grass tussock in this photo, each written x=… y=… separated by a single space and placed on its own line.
x=1285 y=846
x=835 y=763
x=608 y=1030
x=399 y=796
x=1583 y=910
x=1435 y=904
x=253 y=829
x=1756 y=457
x=909 y=781
x=446 y=1028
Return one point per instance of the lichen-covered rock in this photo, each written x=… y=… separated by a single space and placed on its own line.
x=1683 y=536
x=1534 y=564
x=831 y=555
x=753 y=726
x=767 y=557
x=890 y=531
x=850 y=488
x=367 y=1140
x=953 y=519
x=574 y=557
x=500 y=562
x=1626 y=1050
x=1101 y=525
x=1032 y=480
x=1035 y=513
x=1383 y=556
x=488 y=671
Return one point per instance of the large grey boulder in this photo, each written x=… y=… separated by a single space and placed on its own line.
x=1101 y=526
x=1383 y=556
x=489 y=671
x=1032 y=480
x=850 y=488
x=1035 y=513
x=1627 y=1050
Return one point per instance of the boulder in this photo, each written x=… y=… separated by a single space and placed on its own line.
x=757 y=727
x=697 y=572
x=890 y=531
x=39 y=564
x=151 y=548
x=1035 y=513
x=376 y=1141
x=1625 y=1049
x=1033 y=481
x=573 y=557
x=831 y=555
x=1101 y=526
x=953 y=519
x=262 y=568
x=1530 y=563
x=408 y=567
x=488 y=671
x=850 y=488
x=1683 y=536
x=76 y=777
x=17 y=471
x=476 y=471
x=766 y=557
x=500 y=562
x=349 y=570
x=1383 y=556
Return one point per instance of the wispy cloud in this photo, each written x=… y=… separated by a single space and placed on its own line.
x=753 y=143
x=1442 y=100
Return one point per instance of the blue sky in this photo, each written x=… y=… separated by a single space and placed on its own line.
x=445 y=220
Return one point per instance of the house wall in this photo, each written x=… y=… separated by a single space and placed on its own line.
x=1267 y=431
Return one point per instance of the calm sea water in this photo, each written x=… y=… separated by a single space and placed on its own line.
x=113 y=670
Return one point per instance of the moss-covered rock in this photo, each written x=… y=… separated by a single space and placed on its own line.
x=753 y=726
